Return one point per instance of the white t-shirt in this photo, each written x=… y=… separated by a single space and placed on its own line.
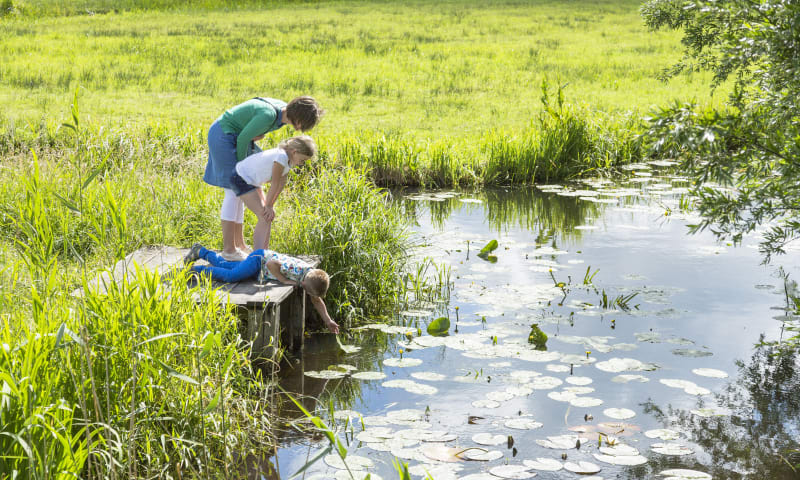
x=256 y=169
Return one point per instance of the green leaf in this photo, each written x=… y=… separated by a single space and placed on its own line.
x=68 y=203
x=159 y=337
x=174 y=373
x=439 y=327
x=94 y=173
x=60 y=335
x=214 y=402
x=489 y=248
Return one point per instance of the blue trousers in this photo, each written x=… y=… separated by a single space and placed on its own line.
x=228 y=272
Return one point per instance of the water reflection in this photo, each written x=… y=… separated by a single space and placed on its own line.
x=761 y=436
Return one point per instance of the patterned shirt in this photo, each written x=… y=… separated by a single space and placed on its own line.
x=291 y=267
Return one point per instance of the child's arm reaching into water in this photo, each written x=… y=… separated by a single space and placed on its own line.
x=319 y=306
x=274 y=268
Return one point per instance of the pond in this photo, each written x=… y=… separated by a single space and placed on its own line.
x=651 y=368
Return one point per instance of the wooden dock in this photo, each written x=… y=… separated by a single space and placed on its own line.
x=273 y=315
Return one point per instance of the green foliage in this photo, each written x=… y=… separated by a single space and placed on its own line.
x=439 y=327
x=537 y=337
x=743 y=159
x=339 y=214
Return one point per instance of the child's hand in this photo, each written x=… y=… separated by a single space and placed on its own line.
x=332 y=326
x=269 y=213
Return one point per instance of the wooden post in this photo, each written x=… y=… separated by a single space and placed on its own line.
x=293 y=320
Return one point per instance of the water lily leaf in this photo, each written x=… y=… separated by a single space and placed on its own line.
x=428 y=376
x=441 y=453
x=489 y=439
x=402 y=362
x=619 y=450
x=485 y=404
x=562 y=442
x=689 y=352
x=439 y=327
x=578 y=380
x=710 y=372
x=619 y=413
x=671 y=449
x=522 y=424
x=582 y=468
x=411 y=386
x=621 y=459
x=481 y=455
x=325 y=374
x=687 y=386
x=511 y=471
x=369 y=375
x=625 y=378
x=544 y=464
x=562 y=396
x=499 y=396
x=662 y=434
x=710 y=412
x=585 y=402
x=545 y=382
x=683 y=474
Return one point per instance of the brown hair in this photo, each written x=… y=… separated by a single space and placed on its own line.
x=317 y=282
x=305 y=112
x=302 y=144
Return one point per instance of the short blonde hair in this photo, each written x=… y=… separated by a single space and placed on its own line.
x=317 y=282
x=302 y=144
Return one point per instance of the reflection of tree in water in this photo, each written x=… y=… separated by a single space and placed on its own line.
x=761 y=436
x=548 y=214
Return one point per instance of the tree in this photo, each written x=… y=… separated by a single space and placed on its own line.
x=744 y=160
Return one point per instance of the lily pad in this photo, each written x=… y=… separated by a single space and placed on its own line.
x=402 y=362
x=662 y=434
x=582 y=467
x=439 y=327
x=522 y=424
x=544 y=464
x=411 y=386
x=485 y=404
x=690 y=352
x=578 y=380
x=619 y=450
x=684 y=474
x=689 y=387
x=619 y=413
x=489 y=439
x=325 y=374
x=671 y=449
x=621 y=459
x=428 y=376
x=585 y=402
x=545 y=382
x=625 y=378
x=481 y=455
x=710 y=372
x=562 y=442
x=512 y=472
x=441 y=453
x=369 y=375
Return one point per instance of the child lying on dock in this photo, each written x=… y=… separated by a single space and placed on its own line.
x=267 y=265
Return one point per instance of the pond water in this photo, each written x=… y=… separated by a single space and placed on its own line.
x=651 y=368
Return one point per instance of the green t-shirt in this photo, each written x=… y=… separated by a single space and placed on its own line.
x=250 y=119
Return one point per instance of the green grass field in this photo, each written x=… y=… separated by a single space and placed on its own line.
x=431 y=68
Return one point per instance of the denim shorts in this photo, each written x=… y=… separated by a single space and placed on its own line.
x=239 y=186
